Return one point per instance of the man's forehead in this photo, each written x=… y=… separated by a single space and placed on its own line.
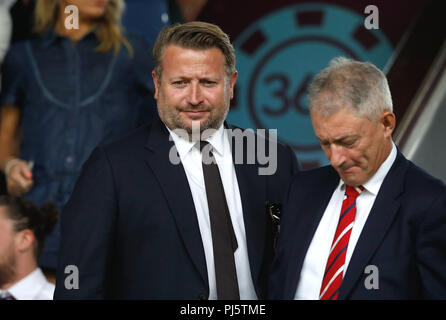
x=183 y=62
x=328 y=102
x=340 y=124
x=179 y=56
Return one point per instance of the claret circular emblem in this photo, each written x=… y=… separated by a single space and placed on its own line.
x=277 y=58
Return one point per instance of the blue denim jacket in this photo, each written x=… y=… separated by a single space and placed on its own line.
x=73 y=99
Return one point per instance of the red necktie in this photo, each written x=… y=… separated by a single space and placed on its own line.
x=6 y=296
x=334 y=269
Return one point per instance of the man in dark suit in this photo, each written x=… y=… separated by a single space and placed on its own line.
x=140 y=223
x=370 y=226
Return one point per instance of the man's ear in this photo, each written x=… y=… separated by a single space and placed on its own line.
x=156 y=82
x=388 y=120
x=232 y=84
x=25 y=240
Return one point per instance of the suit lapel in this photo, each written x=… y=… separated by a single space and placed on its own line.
x=309 y=216
x=173 y=182
x=381 y=216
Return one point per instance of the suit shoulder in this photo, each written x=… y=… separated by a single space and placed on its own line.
x=121 y=148
x=314 y=178
x=422 y=182
x=135 y=139
x=317 y=174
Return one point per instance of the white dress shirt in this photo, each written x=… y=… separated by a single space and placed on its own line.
x=313 y=267
x=190 y=157
x=33 y=287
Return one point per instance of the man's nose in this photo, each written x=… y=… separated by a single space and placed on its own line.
x=336 y=155
x=195 y=96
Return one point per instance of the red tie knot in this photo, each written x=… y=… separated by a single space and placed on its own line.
x=353 y=191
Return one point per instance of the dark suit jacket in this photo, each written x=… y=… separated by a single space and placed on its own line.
x=131 y=228
x=404 y=235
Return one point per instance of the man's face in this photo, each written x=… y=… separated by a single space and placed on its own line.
x=7 y=248
x=193 y=87
x=355 y=146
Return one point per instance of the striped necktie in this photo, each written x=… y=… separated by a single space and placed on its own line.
x=5 y=295
x=334 y=269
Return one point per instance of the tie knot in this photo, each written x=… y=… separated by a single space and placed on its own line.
x=202 y=145
x=353 y=191
x=207 y=157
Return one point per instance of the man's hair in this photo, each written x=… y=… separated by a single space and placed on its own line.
x=26 y=215
x=348 y=83
x=194 y=35
x=110 y=30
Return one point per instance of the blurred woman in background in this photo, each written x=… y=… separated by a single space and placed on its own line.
x=5 y=27
x=78 y=83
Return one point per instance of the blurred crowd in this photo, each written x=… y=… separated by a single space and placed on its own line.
x=64 y=91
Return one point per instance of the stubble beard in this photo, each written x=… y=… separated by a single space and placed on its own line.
x=174 y=121
x=7 y=267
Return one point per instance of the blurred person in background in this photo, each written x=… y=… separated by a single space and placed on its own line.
x=23 y=228
x=66 y=90
x=5 y=27
x=5 y=39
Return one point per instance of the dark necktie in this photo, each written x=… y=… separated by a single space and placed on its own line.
x=224 y=241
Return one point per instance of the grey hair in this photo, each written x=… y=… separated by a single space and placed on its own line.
x=349 y=83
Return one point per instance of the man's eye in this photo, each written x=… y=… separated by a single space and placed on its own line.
x=323 y=143
x=178 y=83
x=348 y=143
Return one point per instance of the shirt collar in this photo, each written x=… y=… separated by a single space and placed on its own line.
x=374 y=183
x=28 y=287
x=185 y=146
x=217 y=140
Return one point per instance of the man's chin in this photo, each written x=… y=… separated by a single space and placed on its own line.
x=195 y=131
x=200 y=126
x=7 y=274
x=350 y=178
